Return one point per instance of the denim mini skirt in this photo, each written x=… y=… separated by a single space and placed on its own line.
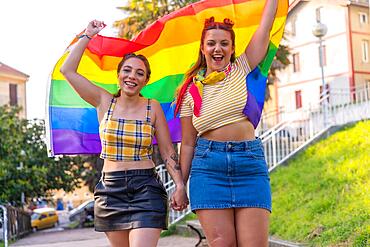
x=130 y=199
x=229 y=175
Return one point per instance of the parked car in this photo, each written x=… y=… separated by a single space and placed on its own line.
x=43 y=218
x=84 y=212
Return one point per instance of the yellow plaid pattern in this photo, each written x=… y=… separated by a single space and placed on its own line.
x=126 y=139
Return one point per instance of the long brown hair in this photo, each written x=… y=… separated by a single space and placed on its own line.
x=131 y=55
x=209 y=24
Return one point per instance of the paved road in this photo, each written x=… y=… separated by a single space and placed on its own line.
x=87 y=237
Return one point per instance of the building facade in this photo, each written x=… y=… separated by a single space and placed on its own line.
x=13 y=88
x=345 y=54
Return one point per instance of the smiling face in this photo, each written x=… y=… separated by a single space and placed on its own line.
x=132 y=76
x=217 y=48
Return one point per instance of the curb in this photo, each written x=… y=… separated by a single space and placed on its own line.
x=184 y=230
x=274 y=242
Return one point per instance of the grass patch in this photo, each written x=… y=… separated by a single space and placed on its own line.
x=170 y=231
x=73 y=225
x=172 y=228
x=9 y=243
x=76 y=224
x=322 y=196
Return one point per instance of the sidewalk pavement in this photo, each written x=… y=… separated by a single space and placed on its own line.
x=87 y=237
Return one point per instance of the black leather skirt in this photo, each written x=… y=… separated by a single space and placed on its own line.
x=130 y=199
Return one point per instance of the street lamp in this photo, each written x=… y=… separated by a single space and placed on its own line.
x=319 y=30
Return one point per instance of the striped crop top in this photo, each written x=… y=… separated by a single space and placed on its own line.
x=126 y=139
x=223 y=102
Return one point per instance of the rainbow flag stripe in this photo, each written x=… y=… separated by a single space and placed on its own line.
x=171 y=45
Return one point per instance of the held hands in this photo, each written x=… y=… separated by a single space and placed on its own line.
x=179 y=199
x=94 y=27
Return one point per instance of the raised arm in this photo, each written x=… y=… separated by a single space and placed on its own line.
x=87 y=90
x=189 y=135
x=257 y=47
x=179 y=199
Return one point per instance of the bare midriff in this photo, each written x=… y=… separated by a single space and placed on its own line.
x=110 y=165
x=239 y=131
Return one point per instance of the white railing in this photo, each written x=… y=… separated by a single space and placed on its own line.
x=301 y=127
x=174 y=216
x=4 y=224
x=298 y=129
x=269 y=120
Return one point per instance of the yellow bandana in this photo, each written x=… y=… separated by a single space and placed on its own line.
x=212 y=78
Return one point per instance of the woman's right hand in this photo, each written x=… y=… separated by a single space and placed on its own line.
x=179 y=198
x=94 y=27
x=84 y=87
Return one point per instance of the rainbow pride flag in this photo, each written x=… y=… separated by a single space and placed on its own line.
x=171 y=45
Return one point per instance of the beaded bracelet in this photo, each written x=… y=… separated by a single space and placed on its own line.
x=84 y=35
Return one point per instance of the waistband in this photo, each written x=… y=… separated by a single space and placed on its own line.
x=229 y=145
x=127 y=173
x=118 y=157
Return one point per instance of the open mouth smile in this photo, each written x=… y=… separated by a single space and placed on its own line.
x=130 y=84
x=217 y=58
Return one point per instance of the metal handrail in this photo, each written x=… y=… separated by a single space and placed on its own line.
x=280 y=143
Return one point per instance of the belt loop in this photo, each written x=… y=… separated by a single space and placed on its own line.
x=155 y=173
x=209 y=145
x=245 y=145
x=196 y=141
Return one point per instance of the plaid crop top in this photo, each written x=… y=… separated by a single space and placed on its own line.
x=126 y=139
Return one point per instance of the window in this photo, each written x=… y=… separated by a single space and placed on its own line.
x=323 y=55
x=296 y=66
x=363 y=18
x=293 y=26
x=318 y=14
x=365 y=51
x=13 y=95
x=298 y=99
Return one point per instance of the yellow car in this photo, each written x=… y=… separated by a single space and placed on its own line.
x=43 y=218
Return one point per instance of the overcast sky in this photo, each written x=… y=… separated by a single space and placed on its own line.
x=35 y=33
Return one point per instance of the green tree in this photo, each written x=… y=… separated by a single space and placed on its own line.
x=92 y=167
x=24 y=164
x=280 y=62
x=141 y=13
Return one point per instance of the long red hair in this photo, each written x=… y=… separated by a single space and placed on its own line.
x=209 y=24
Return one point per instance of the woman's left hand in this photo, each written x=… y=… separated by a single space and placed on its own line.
x=179 y=199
